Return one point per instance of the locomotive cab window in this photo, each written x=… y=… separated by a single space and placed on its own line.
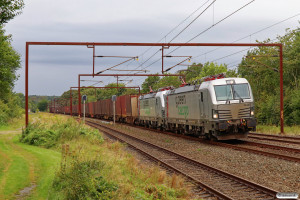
x=232 y=92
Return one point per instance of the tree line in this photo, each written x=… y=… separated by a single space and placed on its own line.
x=10 y=62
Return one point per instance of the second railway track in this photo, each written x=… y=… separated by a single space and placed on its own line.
x=216 y=182
x=275 y=138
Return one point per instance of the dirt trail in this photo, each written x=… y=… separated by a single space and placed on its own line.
x=16 y=150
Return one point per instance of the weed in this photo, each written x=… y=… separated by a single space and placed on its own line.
x=167 y=140
x=57 y=132
x=80 y=178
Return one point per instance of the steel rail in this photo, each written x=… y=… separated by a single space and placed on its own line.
x=271 y=146
x=277 y=136
x=273 y=139
x=266 y=153
x=244 y=182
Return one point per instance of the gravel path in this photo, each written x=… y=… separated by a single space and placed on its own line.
x=280 y=175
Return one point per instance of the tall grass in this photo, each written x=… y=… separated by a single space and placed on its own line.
x=91 y=168
x=57 y=132
x=289 y=130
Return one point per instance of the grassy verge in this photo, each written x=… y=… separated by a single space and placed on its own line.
x=91 y=168
x=22 y=165
x=289 y=130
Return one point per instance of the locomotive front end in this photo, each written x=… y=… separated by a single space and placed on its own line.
x=232 y=108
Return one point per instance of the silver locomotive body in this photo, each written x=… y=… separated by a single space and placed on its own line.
x=221 y=108
x=152 y=109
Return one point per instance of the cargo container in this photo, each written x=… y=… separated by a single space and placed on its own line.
x=97 y=108
x=91 y=108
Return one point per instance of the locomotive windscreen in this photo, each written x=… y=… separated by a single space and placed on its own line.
x=230 y=92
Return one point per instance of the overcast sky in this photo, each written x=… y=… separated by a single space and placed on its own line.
x=54 y=69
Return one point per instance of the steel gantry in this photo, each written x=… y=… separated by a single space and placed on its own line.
x=162 y=45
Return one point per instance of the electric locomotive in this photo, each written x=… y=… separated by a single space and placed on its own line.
x=215 y=107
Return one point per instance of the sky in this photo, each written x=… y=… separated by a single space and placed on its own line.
x=54 y=69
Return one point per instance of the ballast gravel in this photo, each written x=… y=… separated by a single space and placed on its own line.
x=277 y=174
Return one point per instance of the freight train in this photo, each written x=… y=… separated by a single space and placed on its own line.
x=214 y=107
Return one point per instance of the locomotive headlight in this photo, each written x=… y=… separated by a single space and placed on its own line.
x=215 y=114
x=252 y=111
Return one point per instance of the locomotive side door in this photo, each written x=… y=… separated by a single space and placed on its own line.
x=158 y=107
x=204 y=104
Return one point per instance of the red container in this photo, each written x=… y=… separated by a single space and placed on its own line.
x=118 y=107
x=75 y=110
x=126 y=104
x=91 y=109
x=98 y=108
x=67 y=110
x=106 y=108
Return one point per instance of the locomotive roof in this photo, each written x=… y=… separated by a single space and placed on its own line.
x=222 y=82
x=155 y=94
x=206 y=84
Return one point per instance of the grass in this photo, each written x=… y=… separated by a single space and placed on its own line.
x=268 y=129
x=47 y=164
x=23 y=165
x=132 y=179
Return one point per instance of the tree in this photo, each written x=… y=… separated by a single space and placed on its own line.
x=260 y=68
x=9 y=63
x=211 y=68
x=150 y=81
x=193 y=71
x=167 y=81
x=42 y=105
x=9 y=9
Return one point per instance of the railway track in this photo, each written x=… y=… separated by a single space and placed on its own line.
x=214 y=182
x=260 y=150
x=275 y=138
x=263 y=148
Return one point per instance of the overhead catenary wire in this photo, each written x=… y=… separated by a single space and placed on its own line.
x=172 y=30
x=263 y=29
x=192 y=21
x=237 y=52
x=223 y=19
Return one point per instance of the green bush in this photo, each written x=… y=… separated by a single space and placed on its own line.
x=58 y=133
x=11 y=109
x=4 y=113
x=82 y=180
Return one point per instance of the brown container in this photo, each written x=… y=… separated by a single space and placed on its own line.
x=98 y=108
x=134 y=106
x=90 y=109
x=106 y=106
x=75 y=109
x=118 y=106
x=67 y=109
x=126 y=106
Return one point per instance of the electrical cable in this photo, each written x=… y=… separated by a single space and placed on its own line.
x=174 y=30
x=207 y=29
x=263 y=29
x=223 y=19
x=192 y=21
